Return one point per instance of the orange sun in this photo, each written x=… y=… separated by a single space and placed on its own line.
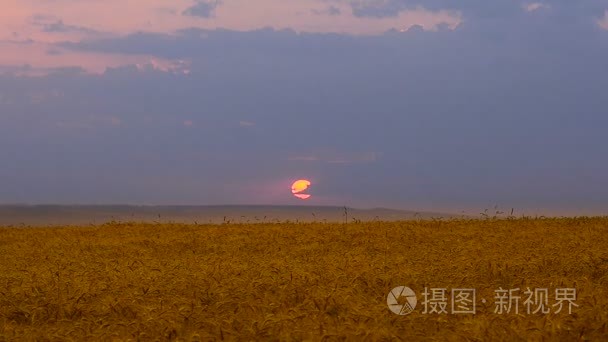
x=299 y=187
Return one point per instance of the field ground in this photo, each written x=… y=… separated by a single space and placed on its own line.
x=301 y=281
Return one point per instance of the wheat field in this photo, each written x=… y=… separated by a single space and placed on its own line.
x=298 y=281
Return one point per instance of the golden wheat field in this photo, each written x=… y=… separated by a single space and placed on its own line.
x=298 y=281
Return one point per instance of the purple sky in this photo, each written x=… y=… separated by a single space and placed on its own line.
x=424 y=105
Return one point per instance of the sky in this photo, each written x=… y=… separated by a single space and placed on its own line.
x=435 y=105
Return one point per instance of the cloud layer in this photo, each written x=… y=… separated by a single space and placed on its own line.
x=504 y=106
x=202 y=8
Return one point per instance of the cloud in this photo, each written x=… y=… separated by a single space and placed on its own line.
x=26 y=70
x=44 y=57
x=377 y=8
x=202 y=8
x=534 y=6
x=54 y=25
x=364 y=157
x=60 y=27
x=53 y=51
x=474 y=12
x=307 y=158
x=330 y=11
x=333 y=157
x=177 y=66
x=159 y=16
x=603 y=22
x=167 y=10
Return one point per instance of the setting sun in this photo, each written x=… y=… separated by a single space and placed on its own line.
x=299 y=187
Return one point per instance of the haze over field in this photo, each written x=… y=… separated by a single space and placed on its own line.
x=54 y=215
x=421 y=105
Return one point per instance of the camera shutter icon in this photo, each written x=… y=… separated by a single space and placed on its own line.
x=401 y=300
